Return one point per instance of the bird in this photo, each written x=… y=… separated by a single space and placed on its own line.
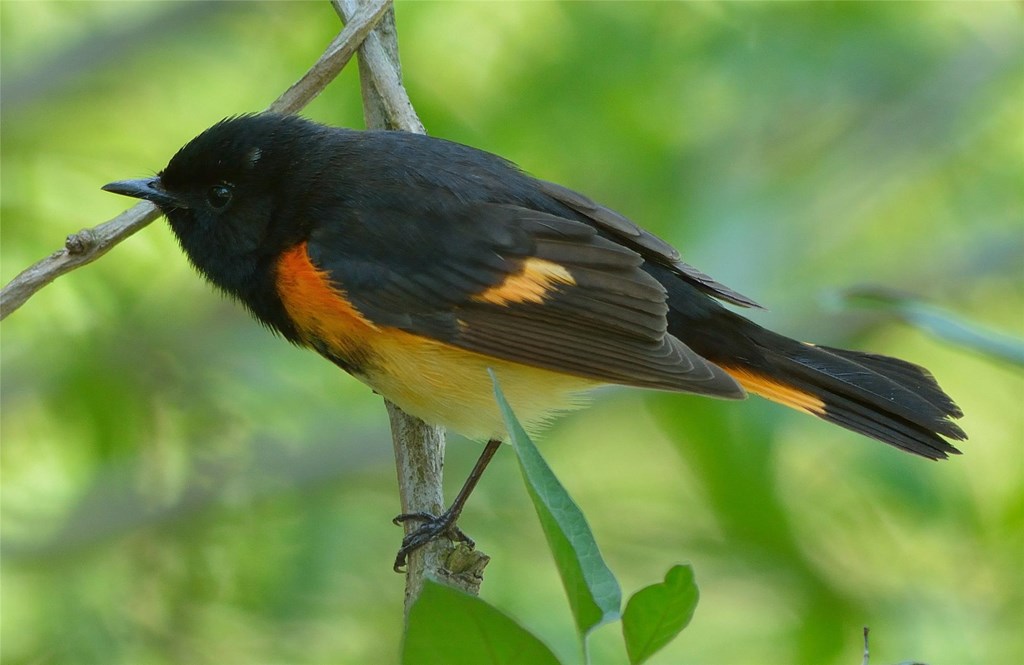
x=419 y=265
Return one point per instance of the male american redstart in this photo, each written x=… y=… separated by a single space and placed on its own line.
x=416 y=264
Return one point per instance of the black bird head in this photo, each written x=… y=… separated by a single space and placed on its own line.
x=236 y=197
x=224 y=195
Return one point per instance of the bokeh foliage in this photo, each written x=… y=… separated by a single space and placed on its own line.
x=180 y=487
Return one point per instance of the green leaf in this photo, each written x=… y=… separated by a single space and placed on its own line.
x=452 y=627
x=594 y=594
x=656 y=614
x=938 y=322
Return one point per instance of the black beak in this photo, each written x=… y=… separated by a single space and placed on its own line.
x=147 y=189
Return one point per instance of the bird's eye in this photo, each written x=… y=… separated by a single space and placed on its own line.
x=219 y=196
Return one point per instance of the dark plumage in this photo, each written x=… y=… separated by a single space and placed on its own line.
x=391 y=254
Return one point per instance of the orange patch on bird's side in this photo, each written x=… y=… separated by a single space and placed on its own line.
x=777 y=392
x=320 y=309
x=427 y=378
x=534 y=281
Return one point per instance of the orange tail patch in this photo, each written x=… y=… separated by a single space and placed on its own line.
x=776 y=391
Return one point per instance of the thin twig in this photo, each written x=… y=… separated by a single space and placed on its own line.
x=384 y=72
x=334 y=58
x=90 y=244
x=419 y=448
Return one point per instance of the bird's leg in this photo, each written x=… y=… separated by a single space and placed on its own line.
x=435 y=526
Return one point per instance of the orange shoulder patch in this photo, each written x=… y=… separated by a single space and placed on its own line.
x=321 y=311
x=433 y=380
x=535 y=279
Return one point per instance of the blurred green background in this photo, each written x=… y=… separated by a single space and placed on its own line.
x=181 y=487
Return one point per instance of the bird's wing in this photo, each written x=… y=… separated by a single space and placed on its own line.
x=516 y=284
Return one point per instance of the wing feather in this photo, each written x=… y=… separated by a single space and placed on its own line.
x=587 y=308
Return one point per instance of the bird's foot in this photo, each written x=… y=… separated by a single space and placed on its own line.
x=432 y=528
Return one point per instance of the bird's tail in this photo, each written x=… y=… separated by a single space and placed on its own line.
x=884 y=398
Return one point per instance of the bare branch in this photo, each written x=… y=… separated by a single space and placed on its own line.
x=333 y=59
x=90 y=244
x=383 y=72
x=419 y=448
x=79 y=249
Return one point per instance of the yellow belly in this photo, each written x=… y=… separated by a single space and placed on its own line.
x=447 y=386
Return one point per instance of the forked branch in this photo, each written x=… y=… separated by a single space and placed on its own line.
x=419 y=448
